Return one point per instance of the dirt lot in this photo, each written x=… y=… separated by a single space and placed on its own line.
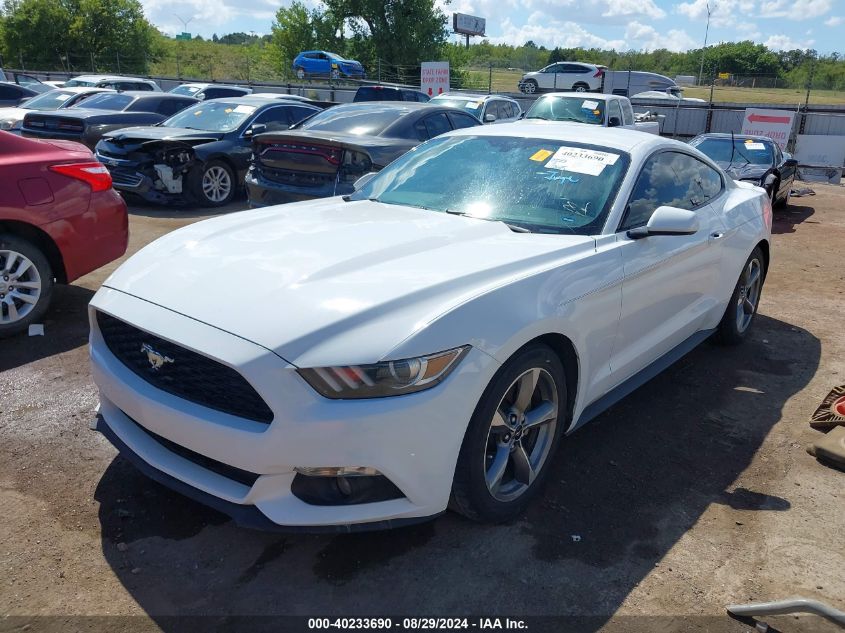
x=693 y=493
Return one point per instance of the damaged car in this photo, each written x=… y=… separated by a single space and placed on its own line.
x=754 y=159
x=198 y=156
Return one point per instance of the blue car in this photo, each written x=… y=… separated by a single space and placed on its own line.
x=324 y=64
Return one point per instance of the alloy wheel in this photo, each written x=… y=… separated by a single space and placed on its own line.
x=20 y=286
x=521 y=434
x=216 y=183
x=749 y=294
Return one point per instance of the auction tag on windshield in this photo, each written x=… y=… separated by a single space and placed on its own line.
x=754 y=145
x=589 y=105
x=540 y=155
x=245 y=109
x=581 y=161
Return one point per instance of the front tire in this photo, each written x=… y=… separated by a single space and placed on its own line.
x=742 y=307
x=529 y=87
x=300 y=73
x=26 y=284
x=514 y=431
x=213 y=184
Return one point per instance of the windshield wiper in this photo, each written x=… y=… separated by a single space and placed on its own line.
x=513 y=227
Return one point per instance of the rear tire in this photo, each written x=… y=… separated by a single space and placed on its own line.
x=581 y=87
x=782 y=202
x=26 y=284
x=742 y=307
x=512 y=435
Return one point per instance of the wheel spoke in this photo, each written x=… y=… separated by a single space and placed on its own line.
x=11 y=258
x=544 y=412
x=31 y=299
x=747 y=306
x=500 y=422
x=497 y=468
x=753 y=277
x=35 y=285
x=525 y=389
x=523 y=471
x=13 y=311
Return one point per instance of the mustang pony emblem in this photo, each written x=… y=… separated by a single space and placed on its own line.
x=156 y=359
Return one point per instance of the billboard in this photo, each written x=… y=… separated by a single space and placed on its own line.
x=776 y=124
x=434 y=78
x=468 y=24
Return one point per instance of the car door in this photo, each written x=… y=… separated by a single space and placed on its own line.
x=787 y=168
x=670 y=282
x=10 y=95
x=547 y=79
x=432 y=125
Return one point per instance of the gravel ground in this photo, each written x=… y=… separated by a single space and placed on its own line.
x=693 y=493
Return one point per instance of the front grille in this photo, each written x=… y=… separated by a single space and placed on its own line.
x=183 y=373
x=296 y=178
x=130 y=180
x=224 y=470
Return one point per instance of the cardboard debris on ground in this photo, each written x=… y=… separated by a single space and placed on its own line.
x=831 y=411
x=830 y=449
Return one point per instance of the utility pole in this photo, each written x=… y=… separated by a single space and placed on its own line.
x=706 y=33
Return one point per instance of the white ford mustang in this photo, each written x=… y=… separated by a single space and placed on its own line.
x=369 y=361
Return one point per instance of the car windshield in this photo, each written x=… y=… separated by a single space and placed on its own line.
x=749 y=150
x=538 y=185
x=370 y=121
x=52 y=100
x=473 y=106
x=579 y=109
x=188 y=91
x=106 y=101
x=212 y=116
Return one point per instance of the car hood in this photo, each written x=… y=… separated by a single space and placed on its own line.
x=331 y=282
x=738 y=172
x=531 y=74
x=13 y=114
x=134 y=135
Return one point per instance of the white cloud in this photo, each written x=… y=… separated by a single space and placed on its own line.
x=786 y=43
x=645 y=37
x=604 y=12
x=795 y=9
x=550 y=33
x=834 y=20
x=722 y=12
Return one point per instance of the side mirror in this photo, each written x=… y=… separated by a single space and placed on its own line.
x=489 y=117
x=256 y=128
x=667 y=221
x=790 y=162
x=614 y=121
x=521 y=115
x=363 y=180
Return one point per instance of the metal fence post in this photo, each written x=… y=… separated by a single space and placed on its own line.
x=93 y=66
x=490 y=80
x=117 y=55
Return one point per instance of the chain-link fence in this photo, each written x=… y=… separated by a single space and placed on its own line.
x=807 y=83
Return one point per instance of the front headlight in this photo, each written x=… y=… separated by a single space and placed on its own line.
x=388 y=378
x=10 y=124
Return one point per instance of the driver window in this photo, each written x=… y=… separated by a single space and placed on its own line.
x=670 y=179
x=613 y=110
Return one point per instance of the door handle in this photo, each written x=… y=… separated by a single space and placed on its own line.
x=716 y=236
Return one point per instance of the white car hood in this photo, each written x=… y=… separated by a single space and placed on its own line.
x=13 y=114
x=333 y=282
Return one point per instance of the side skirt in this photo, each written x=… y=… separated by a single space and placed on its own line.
x=640 y=378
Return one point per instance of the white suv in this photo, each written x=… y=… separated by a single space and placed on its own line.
x=575 y=76
x=486 y=108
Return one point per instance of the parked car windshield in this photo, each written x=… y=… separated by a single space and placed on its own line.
x=579 y=109
x=49 y=100
x=108 y=101
x=188 y=91
x=473 y=106
x=355 y=120
x=70 y=83
x=539 y=185
x=744 y=150
x=212 y=116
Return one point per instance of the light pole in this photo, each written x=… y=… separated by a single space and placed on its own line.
x=706 y=32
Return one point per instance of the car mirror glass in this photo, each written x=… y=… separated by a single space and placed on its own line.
x=489 y=117
x=668 y=220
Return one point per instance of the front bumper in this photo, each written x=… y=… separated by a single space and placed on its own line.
x=130 y=176
x=413 y=440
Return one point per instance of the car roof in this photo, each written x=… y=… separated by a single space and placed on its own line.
x=615 y=137
x=470 y=97
x=583 y=95
x=106 y=78
x=79 y=89
x=726 y=135
x=257 y=101
x=383 y=105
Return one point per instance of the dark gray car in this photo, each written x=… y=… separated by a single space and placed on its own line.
x=755 y=159
x=324 y=155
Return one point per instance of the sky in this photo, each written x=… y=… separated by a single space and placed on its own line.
x=619 y=24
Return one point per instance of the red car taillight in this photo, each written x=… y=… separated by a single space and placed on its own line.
x=95 y=174
x=599 y=72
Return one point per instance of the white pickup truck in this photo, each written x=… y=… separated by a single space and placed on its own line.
x=589 y=108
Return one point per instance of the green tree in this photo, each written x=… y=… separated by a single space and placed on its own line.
x=36 y=31
x=293 y=32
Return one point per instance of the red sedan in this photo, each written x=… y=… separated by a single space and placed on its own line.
x=59 y=219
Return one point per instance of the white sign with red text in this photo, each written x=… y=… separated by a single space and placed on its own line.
x=776 y=124
x=434 y=78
